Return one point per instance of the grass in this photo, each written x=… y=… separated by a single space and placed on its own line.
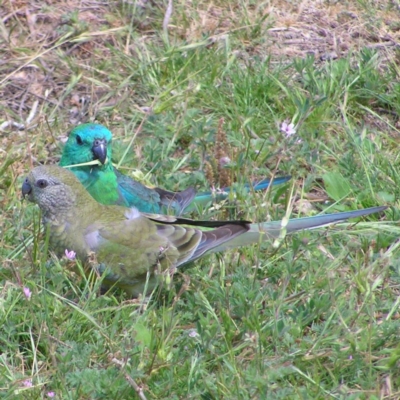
x=314 y=317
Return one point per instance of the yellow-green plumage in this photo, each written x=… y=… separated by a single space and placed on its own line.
x=124 y=241
x=129 y=244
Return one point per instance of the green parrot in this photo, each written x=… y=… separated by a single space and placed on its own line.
x=133 y=248
x=89 y=142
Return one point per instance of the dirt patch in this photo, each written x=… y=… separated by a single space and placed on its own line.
x=329 y=32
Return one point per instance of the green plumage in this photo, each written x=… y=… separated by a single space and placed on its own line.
x=93 y=142
x=128 y=243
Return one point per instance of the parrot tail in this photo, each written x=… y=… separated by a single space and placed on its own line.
x=259 y=232
x=202 y=199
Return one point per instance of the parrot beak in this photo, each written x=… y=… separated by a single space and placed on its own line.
x=26 y=188
x=99 y=150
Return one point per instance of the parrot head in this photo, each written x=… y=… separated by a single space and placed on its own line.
x=52 y=187
x=87 y=142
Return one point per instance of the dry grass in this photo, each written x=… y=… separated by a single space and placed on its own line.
x=328 y=32
x=38 y=41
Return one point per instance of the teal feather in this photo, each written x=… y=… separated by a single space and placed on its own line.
x=91 y=142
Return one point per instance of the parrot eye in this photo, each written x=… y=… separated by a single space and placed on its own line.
x=42 y=183
x=79 y=140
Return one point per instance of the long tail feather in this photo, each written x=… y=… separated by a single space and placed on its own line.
x=202 y=199
x=271 y=230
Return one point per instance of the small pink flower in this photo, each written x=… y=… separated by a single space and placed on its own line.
x=222 y=191
x=224 y=161
x=27 y=292
x=70 y=254
x=51 y=394
x=147 y=110
x=27 y=383
x=288 y=129
x=193 y=333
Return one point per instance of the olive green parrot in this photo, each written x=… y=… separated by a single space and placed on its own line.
x=133 y=247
